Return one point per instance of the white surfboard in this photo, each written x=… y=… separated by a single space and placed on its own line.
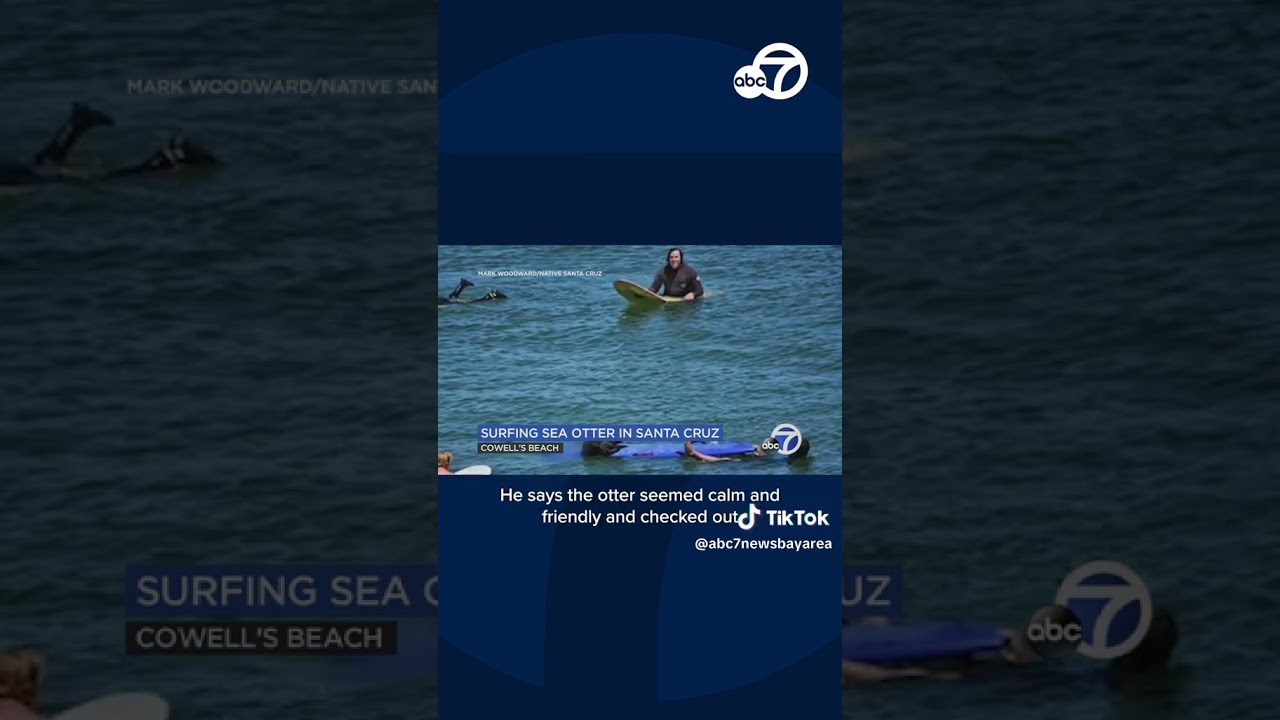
x=120 y=706
x=474 y=470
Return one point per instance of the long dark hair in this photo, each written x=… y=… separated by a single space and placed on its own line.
x=1153 y=653
x=801 y=452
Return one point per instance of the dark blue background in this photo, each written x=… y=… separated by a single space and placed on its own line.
x=631 y=620
x=639 y=199
x=591 y=123
x=476 y=37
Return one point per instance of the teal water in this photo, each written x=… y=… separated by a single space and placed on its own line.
x=762 y=348
x=1063 y=318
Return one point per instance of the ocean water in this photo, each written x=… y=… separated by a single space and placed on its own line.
x=215 y=366
x=761 y=348
x=1060 y=303
x=1063 y=318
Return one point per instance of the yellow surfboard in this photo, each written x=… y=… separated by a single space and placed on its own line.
x=638 y=295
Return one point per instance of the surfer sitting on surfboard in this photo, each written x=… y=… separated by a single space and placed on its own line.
x=21 y=673
x=676 y=278
x=444 y=460
x=455 y=297
x=801 y=453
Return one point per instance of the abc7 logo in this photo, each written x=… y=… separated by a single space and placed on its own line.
x=1120 y=624
x=1054 y=632
x=790 y=438
x=751 y=81
x=751 y=77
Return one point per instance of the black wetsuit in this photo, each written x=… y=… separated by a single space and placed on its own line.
x=18 y=174
x=176 y=154
x=455 y=297
x=53 y=155
x=491 y=295
x=678 y=283
x=50 y=162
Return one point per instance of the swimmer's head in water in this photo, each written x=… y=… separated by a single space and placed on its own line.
x=603 y=448
x=179 y=152
x=21 y=673
x=1155 y=650
x=675 y=258
x=444 y=460
x=185 y=152
x=801 y=452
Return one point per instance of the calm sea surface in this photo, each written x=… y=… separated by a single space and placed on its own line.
x=214 y=367
x=1060 y=306
x=1063 y=319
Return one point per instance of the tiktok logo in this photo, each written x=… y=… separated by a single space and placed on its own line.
x=747 y=520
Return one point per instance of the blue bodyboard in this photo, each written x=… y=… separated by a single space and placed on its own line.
x=903 y=643
x=641 y=451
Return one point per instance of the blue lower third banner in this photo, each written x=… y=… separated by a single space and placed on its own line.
x=654 y=597
x=280 y=591
x=256 y=637
x=602 y=433
x=870 y=591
